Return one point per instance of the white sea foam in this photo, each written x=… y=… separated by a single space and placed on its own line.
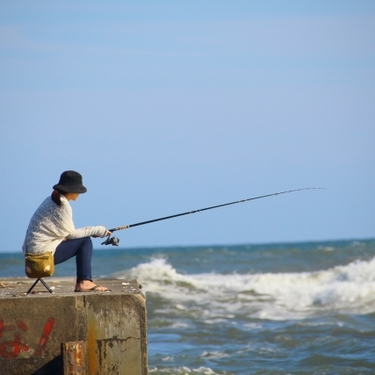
x=275 y=296
x=214 y=355
x=184 y=371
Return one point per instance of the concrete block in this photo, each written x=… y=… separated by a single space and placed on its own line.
x=33 y=328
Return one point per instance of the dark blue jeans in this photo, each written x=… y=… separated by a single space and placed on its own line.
x=81 y=248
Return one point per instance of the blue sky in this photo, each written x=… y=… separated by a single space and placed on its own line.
x=167 y=106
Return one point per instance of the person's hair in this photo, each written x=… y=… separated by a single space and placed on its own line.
x=56 y=196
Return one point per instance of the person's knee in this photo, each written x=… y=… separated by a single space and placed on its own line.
x=87 y=241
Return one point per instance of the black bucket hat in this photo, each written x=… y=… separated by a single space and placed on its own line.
x=70 y=182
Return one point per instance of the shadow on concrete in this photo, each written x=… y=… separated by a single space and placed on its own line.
x=54 y=367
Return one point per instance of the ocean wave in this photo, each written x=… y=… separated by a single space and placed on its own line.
x=185 y=371
x=348 y=289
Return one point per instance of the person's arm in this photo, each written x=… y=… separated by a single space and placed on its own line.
x=95 y=231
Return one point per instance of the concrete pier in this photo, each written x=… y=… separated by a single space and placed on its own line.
x=110 y=327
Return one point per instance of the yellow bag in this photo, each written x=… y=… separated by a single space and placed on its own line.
x=39 y=265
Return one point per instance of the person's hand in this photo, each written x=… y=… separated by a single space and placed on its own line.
x=107 y=233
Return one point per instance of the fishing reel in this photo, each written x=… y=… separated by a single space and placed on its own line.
x=114 y=241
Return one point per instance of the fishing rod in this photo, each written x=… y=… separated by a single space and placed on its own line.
x=114 y=241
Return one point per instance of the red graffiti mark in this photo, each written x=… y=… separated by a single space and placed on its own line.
x=12 y=348
x=4 y=328
x=45 y=336
x=21 y=325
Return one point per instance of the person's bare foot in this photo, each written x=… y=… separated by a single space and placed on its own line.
x=89 y=286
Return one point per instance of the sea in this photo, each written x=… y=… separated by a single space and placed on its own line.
x=279 y=308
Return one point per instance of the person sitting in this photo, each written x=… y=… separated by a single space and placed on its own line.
x=51 y=228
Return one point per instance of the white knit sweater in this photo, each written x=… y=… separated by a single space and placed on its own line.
x=51 y=224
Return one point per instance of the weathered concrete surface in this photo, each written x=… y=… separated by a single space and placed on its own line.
x=33 y=328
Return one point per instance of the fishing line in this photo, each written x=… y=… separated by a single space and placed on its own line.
x=114 y=241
